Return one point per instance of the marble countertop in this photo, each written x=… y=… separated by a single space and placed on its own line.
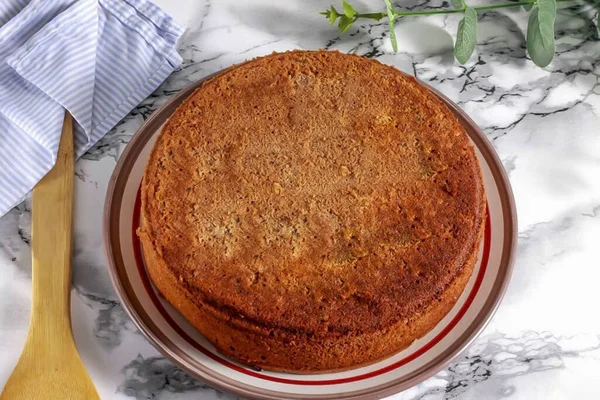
x=544 y=342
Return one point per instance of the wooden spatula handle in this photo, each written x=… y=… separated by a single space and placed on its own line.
x=51 y=228
x=50 y=367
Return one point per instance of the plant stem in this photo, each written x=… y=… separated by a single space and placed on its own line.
x=380 y=15
x=375 y=16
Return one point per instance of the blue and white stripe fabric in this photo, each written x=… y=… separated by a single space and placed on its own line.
x=96 y=58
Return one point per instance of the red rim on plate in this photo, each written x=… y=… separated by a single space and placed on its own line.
x=120 y=272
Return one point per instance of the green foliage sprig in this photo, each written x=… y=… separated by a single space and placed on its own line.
x=540 y=29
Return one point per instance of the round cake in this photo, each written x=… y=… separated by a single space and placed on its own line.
x=312 y=211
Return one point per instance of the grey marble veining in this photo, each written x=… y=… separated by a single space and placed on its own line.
x=147 y=377
x=544 y=341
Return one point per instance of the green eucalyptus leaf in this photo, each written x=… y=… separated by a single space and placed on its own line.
x=392 y=22
x=540 y=32
x=329 y=15
x=466 y=37
x=458 y=4
x=348 y=9
x=546 y=17
x=345 y=23
x=333 y=15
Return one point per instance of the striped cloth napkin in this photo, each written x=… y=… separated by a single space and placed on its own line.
x=96 y=58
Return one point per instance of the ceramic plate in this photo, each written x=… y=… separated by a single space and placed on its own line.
x=169 y=332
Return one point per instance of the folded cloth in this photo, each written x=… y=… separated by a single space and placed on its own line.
x=95 y=58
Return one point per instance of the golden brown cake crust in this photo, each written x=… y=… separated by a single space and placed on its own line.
x=312 y=211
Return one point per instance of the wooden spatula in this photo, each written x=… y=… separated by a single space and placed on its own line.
x=50 y=367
